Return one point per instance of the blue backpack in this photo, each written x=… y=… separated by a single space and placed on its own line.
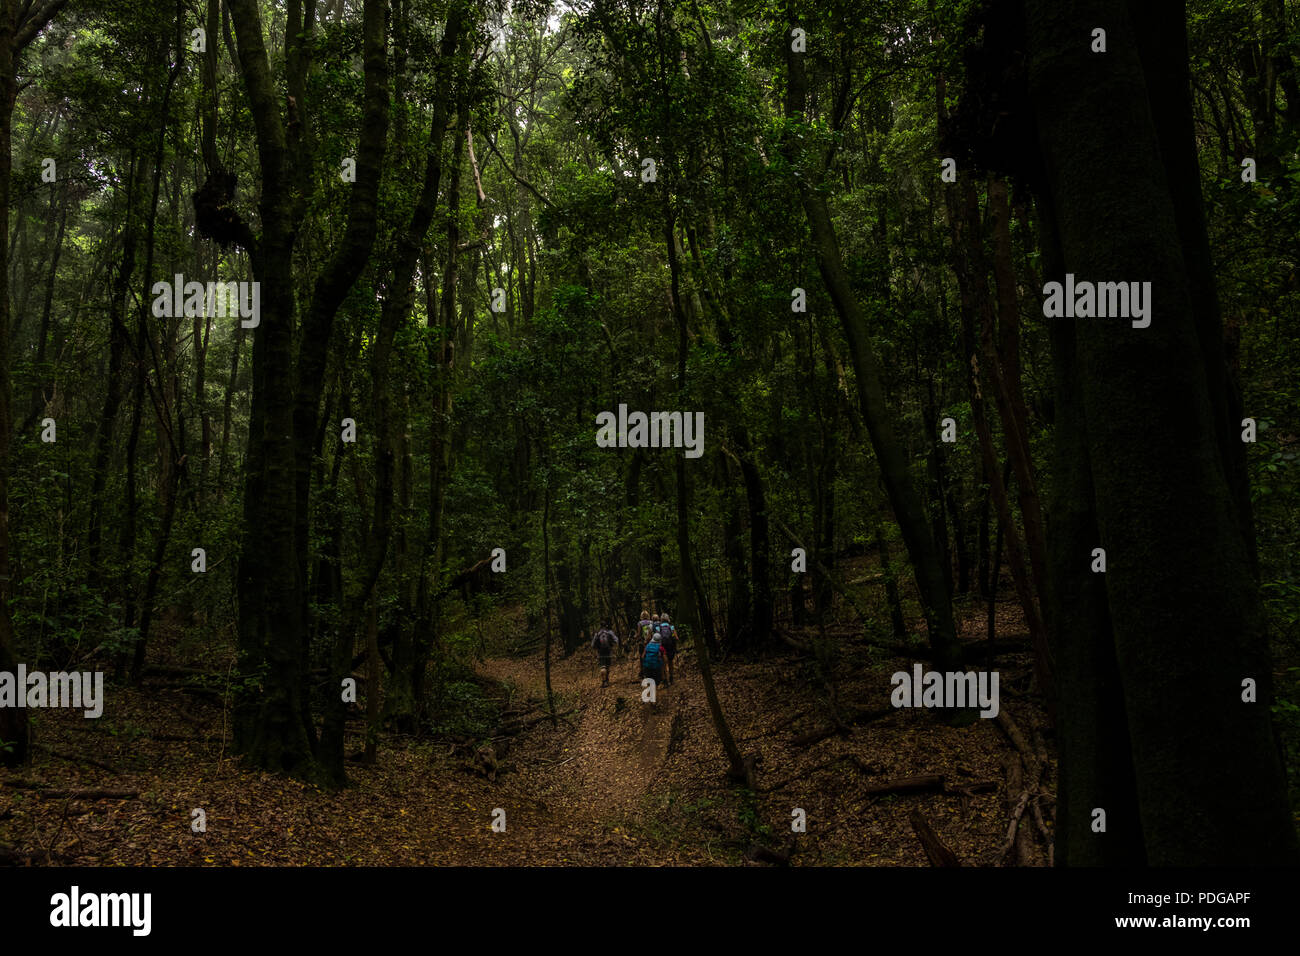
x=652 y=657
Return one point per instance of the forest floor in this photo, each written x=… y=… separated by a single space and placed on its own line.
x=614 y=782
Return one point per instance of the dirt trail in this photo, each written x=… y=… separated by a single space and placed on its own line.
x=619 y=782
x=619 y=743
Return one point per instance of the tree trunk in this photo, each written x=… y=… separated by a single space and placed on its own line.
x=268 y=722
x=981 y=366
x=113 y=383
x=13 y=720
x=896 y=620
x=687 y=595
x=332 y=285
x=1186 y=621
x=170 y=453
x=927 y=561
x=738 y=624
x=440 y=445
x=1002 y=362
x=39 y=377
x=405 y=256
x=546 y=586
x=995 y=568
x=760 y=568
x=372 y=680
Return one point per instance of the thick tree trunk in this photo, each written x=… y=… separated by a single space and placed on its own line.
x=1186 y=622
x=1095 y=767
x=202 y=331
x=14 y=36
x=268 y=714
x=1165 y=64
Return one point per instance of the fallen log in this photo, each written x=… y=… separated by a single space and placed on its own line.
x=1042 y=828
x=915 y=784
x=1010 y=848
x=935 y=851
x=1035 y=762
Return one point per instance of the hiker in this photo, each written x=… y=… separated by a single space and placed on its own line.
x=652 y=659
x=643 y=628
x=650 y=632
x=603 y=642
x=668 y=638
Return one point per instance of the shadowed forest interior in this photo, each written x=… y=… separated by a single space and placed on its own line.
x=365 y=364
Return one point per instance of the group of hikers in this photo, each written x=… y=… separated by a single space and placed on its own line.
x=655 y=642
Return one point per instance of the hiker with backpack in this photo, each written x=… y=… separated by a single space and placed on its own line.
x=646 y=630
x=603 y=642
x=643 y=629
x=668 y=639
x=652 y=659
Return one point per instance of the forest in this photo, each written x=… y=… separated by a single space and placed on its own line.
x=650 y=432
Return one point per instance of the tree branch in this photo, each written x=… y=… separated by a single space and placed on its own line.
x=33 y=21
